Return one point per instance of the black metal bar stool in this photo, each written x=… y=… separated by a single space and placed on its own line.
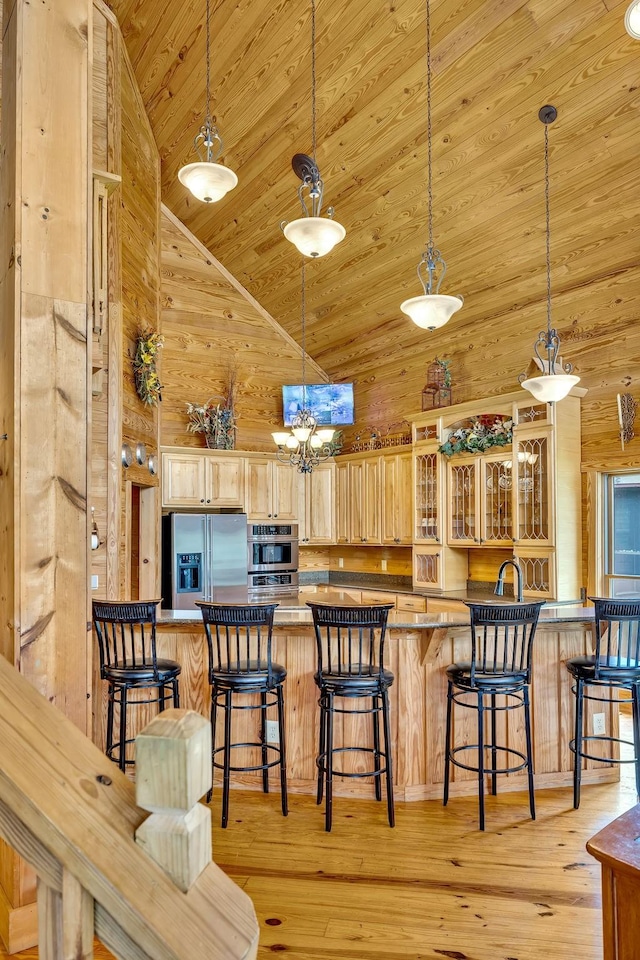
x=616 y=665
x=350 y=643
x=126 y=633
x=239 y=642
x=500 y=666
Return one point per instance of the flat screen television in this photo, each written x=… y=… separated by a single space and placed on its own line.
x=330 y=403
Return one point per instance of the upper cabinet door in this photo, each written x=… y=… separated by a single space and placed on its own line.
x=397 y=499
x=428 y=471
x=343 y=514
x=183 y=480
x=497 y=480
x=535 y=520
x=320 y=504
x=225 y=481
x=284 y=491
x=258 y=489
x=464 y=520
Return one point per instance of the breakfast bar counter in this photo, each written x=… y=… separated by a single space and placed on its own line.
x=419 y=647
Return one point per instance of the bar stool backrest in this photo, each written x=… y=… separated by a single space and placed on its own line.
x=502 y=638
x=126 y=632
x=617 y=625
x=238 y=636
x=350 y=640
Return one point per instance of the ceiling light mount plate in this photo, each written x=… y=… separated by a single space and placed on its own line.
x=548 y=113
x=305 y=167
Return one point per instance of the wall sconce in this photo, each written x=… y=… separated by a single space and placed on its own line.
x=95 y=535
x=627 y=407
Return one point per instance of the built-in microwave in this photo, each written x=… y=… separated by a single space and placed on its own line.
x=272 y=548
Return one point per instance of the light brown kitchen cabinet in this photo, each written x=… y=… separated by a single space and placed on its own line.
x=202 y=480
x=521 y=501
x=342 y=501
x=271 y=490
x=481 y=499
x=397 y=498
x=317 y=505
x=365 y=521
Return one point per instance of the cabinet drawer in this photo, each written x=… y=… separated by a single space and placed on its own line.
x=409 y=604
x=378 y=596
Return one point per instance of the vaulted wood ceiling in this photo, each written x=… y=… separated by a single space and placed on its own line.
x=495 y=63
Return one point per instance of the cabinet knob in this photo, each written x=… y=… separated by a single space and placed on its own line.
x=396 y=539
x=437 y=539
x=202 y=501
x=475 y=540
x=363 y=539
x=275 y=516
x=146 y=560
x=514 y=540
x=208 y=501
x=269 y=515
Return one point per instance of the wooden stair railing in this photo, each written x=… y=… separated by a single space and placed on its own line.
x=72 y=815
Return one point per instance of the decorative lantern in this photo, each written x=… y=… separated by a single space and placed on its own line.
x=437 y=392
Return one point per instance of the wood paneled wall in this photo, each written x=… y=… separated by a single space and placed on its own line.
x=212 y=325
x=44 y=371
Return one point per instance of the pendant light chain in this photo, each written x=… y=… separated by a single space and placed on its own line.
x=429 y=177
x=313 y=81
x=548 y=222
x=208 y=116
x=304 y=341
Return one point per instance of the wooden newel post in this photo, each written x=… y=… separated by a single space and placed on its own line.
x=173 y=771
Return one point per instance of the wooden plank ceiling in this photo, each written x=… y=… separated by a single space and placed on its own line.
x=495 y=63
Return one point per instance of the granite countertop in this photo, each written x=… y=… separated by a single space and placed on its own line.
x=477 y=592
x=294 y=610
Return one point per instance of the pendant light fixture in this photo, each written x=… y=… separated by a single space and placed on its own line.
x=433 y=309
x=632 y=19
x=207 y=180
x=305 y=446
x=313 y=235
x=555 y=381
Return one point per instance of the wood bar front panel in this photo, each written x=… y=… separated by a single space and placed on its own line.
x=418 y=659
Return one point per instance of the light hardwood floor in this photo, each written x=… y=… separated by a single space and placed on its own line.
x=433 y=888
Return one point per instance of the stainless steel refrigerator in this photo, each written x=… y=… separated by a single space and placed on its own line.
x=202 y=553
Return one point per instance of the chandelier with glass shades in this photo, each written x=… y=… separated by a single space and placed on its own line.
x=207 y=180
x=433 y=309
x=555 y=381
x=306 y=445
x=312 y=234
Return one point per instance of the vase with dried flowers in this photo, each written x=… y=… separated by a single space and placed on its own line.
x=216 y=418
x=145 y=374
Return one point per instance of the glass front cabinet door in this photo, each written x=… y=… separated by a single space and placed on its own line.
x=533 y=501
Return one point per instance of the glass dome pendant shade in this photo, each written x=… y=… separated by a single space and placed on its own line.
x=632 y=19
x=207 y=180
x=555 y=381
x=432 y=310
x=313 y=235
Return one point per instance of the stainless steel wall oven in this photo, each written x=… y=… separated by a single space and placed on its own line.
x=272 y=555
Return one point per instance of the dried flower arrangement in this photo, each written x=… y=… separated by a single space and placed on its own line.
x=216 y=418
x=145 y=374
x=479 y=434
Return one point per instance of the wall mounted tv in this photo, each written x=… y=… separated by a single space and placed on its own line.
x=330 y=403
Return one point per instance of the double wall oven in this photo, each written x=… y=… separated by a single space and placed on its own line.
x=272 y=558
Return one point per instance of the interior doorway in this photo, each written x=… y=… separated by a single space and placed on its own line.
x=144 y=544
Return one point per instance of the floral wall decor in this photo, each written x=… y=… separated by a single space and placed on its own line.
x=147 y=381
x=216 y=418
x=479 y=434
